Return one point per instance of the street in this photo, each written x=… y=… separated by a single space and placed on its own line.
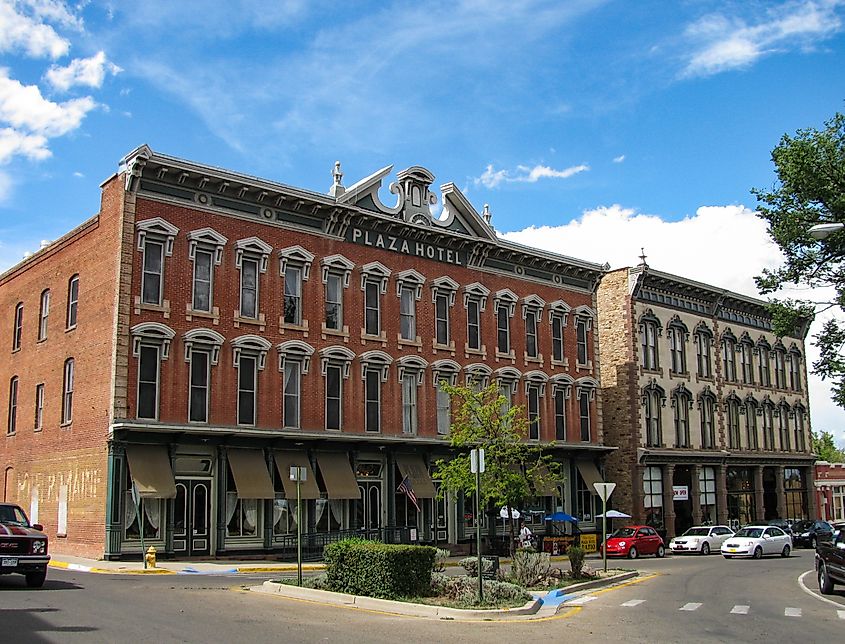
x=689 y=599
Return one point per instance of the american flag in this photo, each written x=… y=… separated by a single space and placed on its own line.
x=406 y=487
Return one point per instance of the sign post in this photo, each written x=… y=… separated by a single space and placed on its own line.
x=298 y=474
x=604 y=490
x=476 y=464
x=136 y=497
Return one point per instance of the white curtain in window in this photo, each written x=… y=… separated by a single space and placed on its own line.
x=129 y=510
x=251 y=510
x=336 y=507
x=152 y=510
x=321 y=508
x=231 y=505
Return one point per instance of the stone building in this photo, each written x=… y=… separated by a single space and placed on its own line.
x=830 y=491
x=207 y=330
x=707 y=406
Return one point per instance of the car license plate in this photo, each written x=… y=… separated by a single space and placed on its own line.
x=9 y=561
x=731 y=549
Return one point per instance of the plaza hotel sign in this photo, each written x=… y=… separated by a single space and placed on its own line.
x=364 y=237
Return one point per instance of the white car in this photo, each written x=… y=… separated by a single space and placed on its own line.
x=756 y=541
x=702 y=539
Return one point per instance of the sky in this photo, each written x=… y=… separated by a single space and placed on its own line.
x=592 y=128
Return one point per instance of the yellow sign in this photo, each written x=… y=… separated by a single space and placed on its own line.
x=588 y=542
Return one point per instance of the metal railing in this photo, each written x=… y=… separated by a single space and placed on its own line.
x=284 y=546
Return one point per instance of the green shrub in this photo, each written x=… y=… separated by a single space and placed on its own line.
x=440 y=559
x=530 y=568
x=377 y=569
x=470 y=564
x=576 y=561
x=464 y=590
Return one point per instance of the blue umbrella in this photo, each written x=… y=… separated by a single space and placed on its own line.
x=561 y=516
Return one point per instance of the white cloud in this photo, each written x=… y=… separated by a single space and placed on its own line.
x=23 y=107
x=88 y=72
x=20 y=32
x=720 y=43
x=619 y=159
x=6 y=186
x=78 y=175
x=14 y=143
x=615 y=235
x=491 y=178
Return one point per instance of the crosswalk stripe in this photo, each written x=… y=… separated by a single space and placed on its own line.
x=633 y=602
x=691 y=606
x=578 y=601
x=791 y=612
x=841 y=614
x=739 y=609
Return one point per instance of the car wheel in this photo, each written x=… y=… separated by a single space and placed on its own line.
x=705 y=549
x=825 y=584
x=785 y=551
x=758 y=552
x=632 y=553
x=36 y=579
x=812 y=543
x=661 y=551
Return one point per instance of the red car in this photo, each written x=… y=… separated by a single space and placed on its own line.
x=633 y=541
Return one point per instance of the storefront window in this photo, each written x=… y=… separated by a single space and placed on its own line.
x=585 y=500
x=741 y=508
x=796 y=493
x=242 y=515
x=653 y=496
x=152 y=511
x=707 y=493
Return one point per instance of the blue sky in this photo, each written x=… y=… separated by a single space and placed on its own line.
x=592 y=128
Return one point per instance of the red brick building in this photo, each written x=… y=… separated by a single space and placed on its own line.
x=207 y=330
x=830 y=491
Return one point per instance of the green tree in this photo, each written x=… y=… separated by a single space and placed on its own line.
x=810 y=190
x=514 y=468
x=825 y=448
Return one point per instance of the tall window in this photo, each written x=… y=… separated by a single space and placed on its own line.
x=39 y=406
x=768 y=426
x=746 y=360
x=249 y=288
x=293 y=372
x=202 y=288
x=503 y=330
x=153 y=272
x=703 y=359
x=681 y=403
x=148 y=381
x=11 y=426
x=794 y=370
x=444 y=411
x=372 y=308
x=708 y=435
x=372 y=387
x=707 y=492
x=751 y=434
x=729 y=357
x=582 y=326
x=72 y=300
x=584 y=396
x=732 y=409
x=17 y=332
x=44 y=314
x=473 y=325
x=531 y=334
x=247 y=389
x=800 y=441
x=408 y=313
x=198 y=403
x=334 y=390
x=653 y=496
x=441 y=318
x=67 y=392
x=763 y=353
x=648 y=339
x=533 y=412
x=783 y=428
x=334 y=301
x=560 y=414
x=652 y=400
x=409 y=403
x=557 y=338
x=293 y=295
x=780 y=367
x=677 y=348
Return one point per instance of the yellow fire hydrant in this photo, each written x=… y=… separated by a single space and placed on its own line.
x=150 y=557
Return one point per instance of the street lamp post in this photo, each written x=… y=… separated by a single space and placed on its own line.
x=823 y=231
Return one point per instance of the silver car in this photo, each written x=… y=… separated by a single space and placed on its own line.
x=702 y=539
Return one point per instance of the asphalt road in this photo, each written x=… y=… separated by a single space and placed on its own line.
x=688 y=599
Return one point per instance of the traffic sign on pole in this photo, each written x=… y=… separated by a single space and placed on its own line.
x=604 y=490
x=476 y=460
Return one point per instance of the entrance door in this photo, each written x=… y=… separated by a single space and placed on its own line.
x=192 y=508
x=368 y=509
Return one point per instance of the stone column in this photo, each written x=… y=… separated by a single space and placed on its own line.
x=807 y=473
x=722 y=494
x=695 y=494
x=759 y=511
x=638 y=511
x=781 y=492
x=668 y=502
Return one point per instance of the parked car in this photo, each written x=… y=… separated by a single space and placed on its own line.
x=756 y=541
x=830 y=562
x=633 y=541
x=809 y=533
x=701 y=539
x=783 y=524
x=23 y=546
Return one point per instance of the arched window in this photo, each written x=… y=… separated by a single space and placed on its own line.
x=681 y=404
x=768 y=413
x=650 y=329
x=72 y=301
x=729 y=356
x=678 y=334
x=150 y=345
x=653 y=399
x=733 y=406
x=44 y=314
x=11 y=426
x=374 y=370
x=334 y=365
x=763 y=353
x=783 y=413
x=17 y=331
x=746 y=359
x=67 y=392
x=706 y=408
x=752 y=410
x=703 y=347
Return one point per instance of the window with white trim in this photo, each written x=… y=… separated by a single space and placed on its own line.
x=444 y=371
x=584 y=317
x=17 y=330
x=205 y=250
x=151 y=346
x=67 y=392
x=295 y=267
x=409 y=285
x=443 y=291
x=586 y=393
x=678 y=333
x=475 y=302
x=202 y=351
x=12 y=418
x=39 y=407
x=250 y=356
x=294 y=362
x=336 y=272
x=508 y=379
x=532 y=313
x=334 y=365
x=251 y=258
x=374 y=370
x=562 y=387
x=155 y=241
x=44 y=314
x=374 y=278
x=411 y=370
x=72 y=302
x=504 y=305
x=533 y=394
x=558 y=316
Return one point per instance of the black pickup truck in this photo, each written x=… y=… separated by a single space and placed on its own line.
x=830 y=561
x=23 y=547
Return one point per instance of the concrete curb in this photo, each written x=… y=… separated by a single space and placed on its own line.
x=596 y=583
x=238 y=570
x=64 y=565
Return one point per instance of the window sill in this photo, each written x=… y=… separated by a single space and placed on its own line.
x=299 y=328
x=17 y=350
x=239 y=320
x=213 y=315
x=683 y=375
x=510 y=355
x=10 y=434
x=380 y=338
x=402 y=342
x=335 y=333
x=41 y=340
x=163 y=308
x=564 y=364
x=588 y=366
x=529 y=360
x=435 y=347
x=67 y=425
x=475 y=352
x=652 y=372
x=70 y=328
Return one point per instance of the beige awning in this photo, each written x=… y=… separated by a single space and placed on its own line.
x=338 y=475
x=413 y=467
x=249 y=469
x=308 y=487
x=590 y=473
x=149 y=466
